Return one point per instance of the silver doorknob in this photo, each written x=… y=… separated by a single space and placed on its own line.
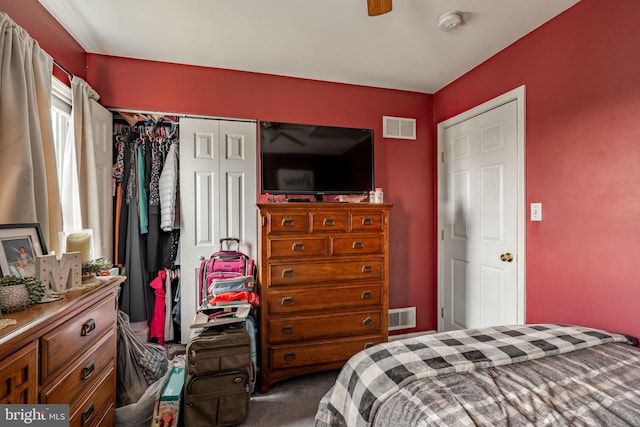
x=506 y=257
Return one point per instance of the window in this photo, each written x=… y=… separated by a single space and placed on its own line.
x=61 y=119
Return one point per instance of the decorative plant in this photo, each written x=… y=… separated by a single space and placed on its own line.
x=16 y=299
x=96 y=266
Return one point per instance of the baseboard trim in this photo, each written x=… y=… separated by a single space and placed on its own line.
x=409 y=335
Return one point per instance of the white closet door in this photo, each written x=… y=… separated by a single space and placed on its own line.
x=218 y=194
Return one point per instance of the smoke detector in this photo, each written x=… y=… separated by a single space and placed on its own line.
x=450 y=20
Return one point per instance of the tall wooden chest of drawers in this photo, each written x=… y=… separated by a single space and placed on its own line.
x=65 y=352
x=323 y=279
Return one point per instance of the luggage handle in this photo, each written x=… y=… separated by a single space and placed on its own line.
x=230 y=239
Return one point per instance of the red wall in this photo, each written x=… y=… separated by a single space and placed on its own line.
x=403 y=168
x=582 y=77
x=51 y=36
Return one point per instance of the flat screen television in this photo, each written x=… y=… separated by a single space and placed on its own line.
x=304 y=159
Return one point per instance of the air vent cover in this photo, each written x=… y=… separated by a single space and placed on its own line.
x=398 y=127
x=402 y=318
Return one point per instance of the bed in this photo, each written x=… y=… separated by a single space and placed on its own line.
x=522 y=375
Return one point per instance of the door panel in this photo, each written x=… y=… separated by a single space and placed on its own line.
x=218 y=197
x=479 y=197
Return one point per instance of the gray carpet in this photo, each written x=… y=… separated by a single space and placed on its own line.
x=290 y=403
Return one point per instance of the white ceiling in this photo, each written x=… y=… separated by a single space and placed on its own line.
x=330 y=40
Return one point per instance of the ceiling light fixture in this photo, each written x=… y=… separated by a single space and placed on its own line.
x=450 y=20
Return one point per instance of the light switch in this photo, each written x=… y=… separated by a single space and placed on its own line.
x=536 y=211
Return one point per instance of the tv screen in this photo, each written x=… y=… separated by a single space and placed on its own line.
x=315 y=159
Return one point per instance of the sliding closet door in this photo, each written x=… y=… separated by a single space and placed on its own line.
x=218 y=197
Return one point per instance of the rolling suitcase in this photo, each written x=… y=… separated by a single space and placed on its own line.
x=225 y=265
x=218 y=377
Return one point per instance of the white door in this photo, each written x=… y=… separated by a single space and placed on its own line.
x=481 y=272
x=102 y=148
x=218 y=172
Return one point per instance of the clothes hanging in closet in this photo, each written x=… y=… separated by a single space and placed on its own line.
x=142 y=248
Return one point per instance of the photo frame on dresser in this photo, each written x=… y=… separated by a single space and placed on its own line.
x=19 y=246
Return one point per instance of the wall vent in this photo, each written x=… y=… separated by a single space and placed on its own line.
x=398 y=127
x=402 y=318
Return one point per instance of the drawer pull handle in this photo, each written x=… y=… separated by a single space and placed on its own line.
x=289 y=357
x=288 y=222
x=358 y=244
x=368 y=321
x=367 y=295
x=367 y=269
x=329 y=222
x=367 y=221
x=299 y=247
x=368 y=344
x=288 y=272
x=287 y=301
x=87 y=371
x=87 y=414
x=287 y=329
x=88 y=327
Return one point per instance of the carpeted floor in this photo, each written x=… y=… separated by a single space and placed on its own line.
x=290 y=403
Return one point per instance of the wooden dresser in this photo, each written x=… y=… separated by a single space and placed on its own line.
x=65 y=352
x=323 y=280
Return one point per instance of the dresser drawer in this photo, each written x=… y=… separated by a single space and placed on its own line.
x=293 y=329
x=326 y=271
x=327 y=298
x=357 y=245
x=323 y=222
x=92 y=409
x=291 y=356
x=287 y=222
x=297 y=247
x=84 y=373
x=74 y=337
x=367 y=221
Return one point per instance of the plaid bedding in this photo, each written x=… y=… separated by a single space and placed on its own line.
x=375 y=374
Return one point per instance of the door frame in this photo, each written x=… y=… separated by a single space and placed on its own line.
x=518 y=95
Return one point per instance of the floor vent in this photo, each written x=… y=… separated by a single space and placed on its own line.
x=402 y=318
x=398 y=127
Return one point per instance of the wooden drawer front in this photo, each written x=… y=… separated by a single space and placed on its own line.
x=329 y=271
x=356 y=245
x=316 y=246
x=290 y=356
x=293 y=329
x=101 y=400
x=326 y=298
x=72 y=338
x=322 y=222
x=361 y=221
x=288 y=223
x=84 y=373
x=18 y=376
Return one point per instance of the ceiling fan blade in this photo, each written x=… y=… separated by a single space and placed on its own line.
x=378 y=7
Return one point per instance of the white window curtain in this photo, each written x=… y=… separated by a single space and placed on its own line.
x=80 y=189
x=29 y=185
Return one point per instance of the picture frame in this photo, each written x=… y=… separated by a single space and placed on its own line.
x=20 y=244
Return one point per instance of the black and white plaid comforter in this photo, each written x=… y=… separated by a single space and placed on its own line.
x=375 y=374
